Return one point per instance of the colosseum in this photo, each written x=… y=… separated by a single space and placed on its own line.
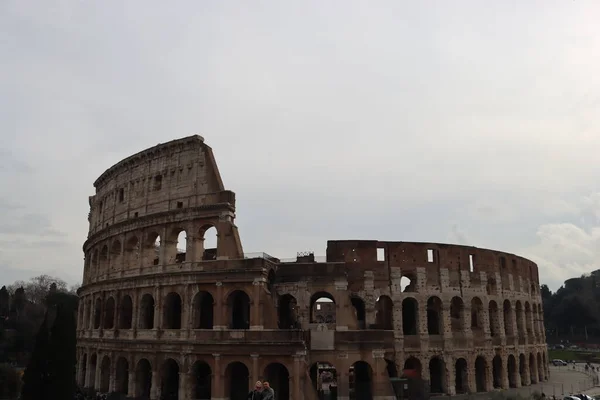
x=165 y=315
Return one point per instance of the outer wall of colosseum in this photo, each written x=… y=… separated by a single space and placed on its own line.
x=162 y=314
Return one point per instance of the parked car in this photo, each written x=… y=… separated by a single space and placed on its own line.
x=558 y=363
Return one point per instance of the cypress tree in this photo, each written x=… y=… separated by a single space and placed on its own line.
x=36 y=377
x=63 y=353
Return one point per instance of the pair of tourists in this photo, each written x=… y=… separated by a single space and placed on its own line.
x=262 y=391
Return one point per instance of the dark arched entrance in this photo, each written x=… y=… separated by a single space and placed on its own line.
x=279 y=378
x=169 y=387
x=237 y=376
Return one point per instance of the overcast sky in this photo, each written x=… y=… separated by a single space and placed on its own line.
x=466 y=122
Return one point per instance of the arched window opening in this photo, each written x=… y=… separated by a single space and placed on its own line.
x=122 y=376
x=532 y=369
x=385 y=313
x=513 y=377
x=83 y=370
x=237 y=375
x=109 y=313
x=146 y=312
x=540 y=368
x=132 y=253
x=522 y=369
x=408 y=283
x=271 y=281
x=143 y=379
x=359 y=312
x=545 y=364
x=476 y=315
x=209 y=243
x=491 y=287
x=172 y=311
x=238 y=304
x=391 y=368
x=279 y=379
x=103 y=261
x=360 y=379
x=461 y=380
x=412 y=368
x=324 y=379
x=202 y=375
x=95 y=263
x=409 y=316
x=321 y=305
x=497 y=372
x=437 y=375
x=457 y=314
x=287 y=312
x=203 y=311
x=169 y=385
x=519 y=311
x=528 y=319
x=115 y=255
x=480 y=374
x=97 y=313
x=156 y=251
x=508 y=318
x=88 y=311
x=434 y=316
x=494 y=319
x=181 y=248
x=125 y=312
x=105 y=375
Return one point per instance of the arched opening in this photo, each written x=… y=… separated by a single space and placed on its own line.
x=491 y=287
x=461 y=381
x=508 y=318
x=409 y=316
x=271 y=281
x=437 y=375
x=122 y=376
x=237 y=375
x=324 y=378
x=391 y=368
x=209 y=243
x=126 y=312
x=172 y=311
x=105 y=375
x=95 y=263
x=497 y=371
x=181 y=248
x=480 y=374
x=385 y=313
x=477 y=315
x=115 y=255
x=203 y=311
x=434 y=316
x=494 y=319
x=540 y=368
x=83 y=370
x=519 y=311
x=408 y=283
x=457 y=314
x=287 y=312
x=359 y=312
x=202 y=375
x=412 y=367
x=132 y=253
x=93 y=366
x=528 y=320
x=545 y=364
x=88 y=311
x=522 y=369
x=146 y=312
x=321 y=305
x=143 y=379
x=532 y=369
x=151 y=249
x=109 y=313
x=169 y=383
x=97 y=313
x=361 y=381
x=513 y=377
x=238 y=304
x=279 y=379
x=103 y=260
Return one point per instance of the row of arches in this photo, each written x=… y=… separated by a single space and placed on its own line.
x=135 y=252
x=171 y=381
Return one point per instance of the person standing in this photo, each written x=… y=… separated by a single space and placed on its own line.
x=257 y=392
x=268 y=392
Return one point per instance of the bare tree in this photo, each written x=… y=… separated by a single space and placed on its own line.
x=37 y=288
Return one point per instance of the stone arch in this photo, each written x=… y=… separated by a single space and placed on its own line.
x=93 y=366
x=83 y=363
x=535 y=321
x=177 y=252
x=105 y=375
x=507 y=312
x=103 y=260
x=532 y=369
x=360 y=312
x=513 y=375
x=172 y=311
x=237 y=380
x=545 y=364
x=202 y=380
x=95 y=262
x=528 y=319
x=437 y=375
x=491 y=287
x=481 y=374
x=132 y=253
x=97 y=313
x=519 y=313
x=361 y=380
x=434 y=316
x=278 y=377
x=203 y=310
x=271 y=279
x=143 y=379
x=169 y=379
x=522 y=369
x=238 y=309
x=208 y=242
x=477 y=315
x=109 y=313
x=287 y=316
x=146 y=320
x=125 y=312
x=408 y=282
x=151 y=248
x=457 y=314
x=494 y=316
x=116 y=255
x=540 y=368
x=322 y=303
x=410 y=316
x=385 y=313
x=461 y=381
x=122 y=376
x=497 y=371
x=322 y=375
x=413 y=367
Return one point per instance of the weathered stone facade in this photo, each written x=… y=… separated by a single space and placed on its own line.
x=206 y=323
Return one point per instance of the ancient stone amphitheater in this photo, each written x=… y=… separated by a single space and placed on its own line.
x=163 y=315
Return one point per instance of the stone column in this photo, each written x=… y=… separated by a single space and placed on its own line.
x=135 y=313
x=162 y=252
x=131 y=381
x=342 y=307
x=217 y=389
x=97 y=379
x=220 y=310
x=505 y=378
x=255 y=313
x=449 y=376
x=296 y=378
x=382 y=388
x=157 y=308
x=155 y=389
x=89 y=372
x=255 y=372
x=185 y=392
x=527 y=374
x=112 y=373
x=342 y=377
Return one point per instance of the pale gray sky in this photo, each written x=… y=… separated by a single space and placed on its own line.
x=465 y=121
